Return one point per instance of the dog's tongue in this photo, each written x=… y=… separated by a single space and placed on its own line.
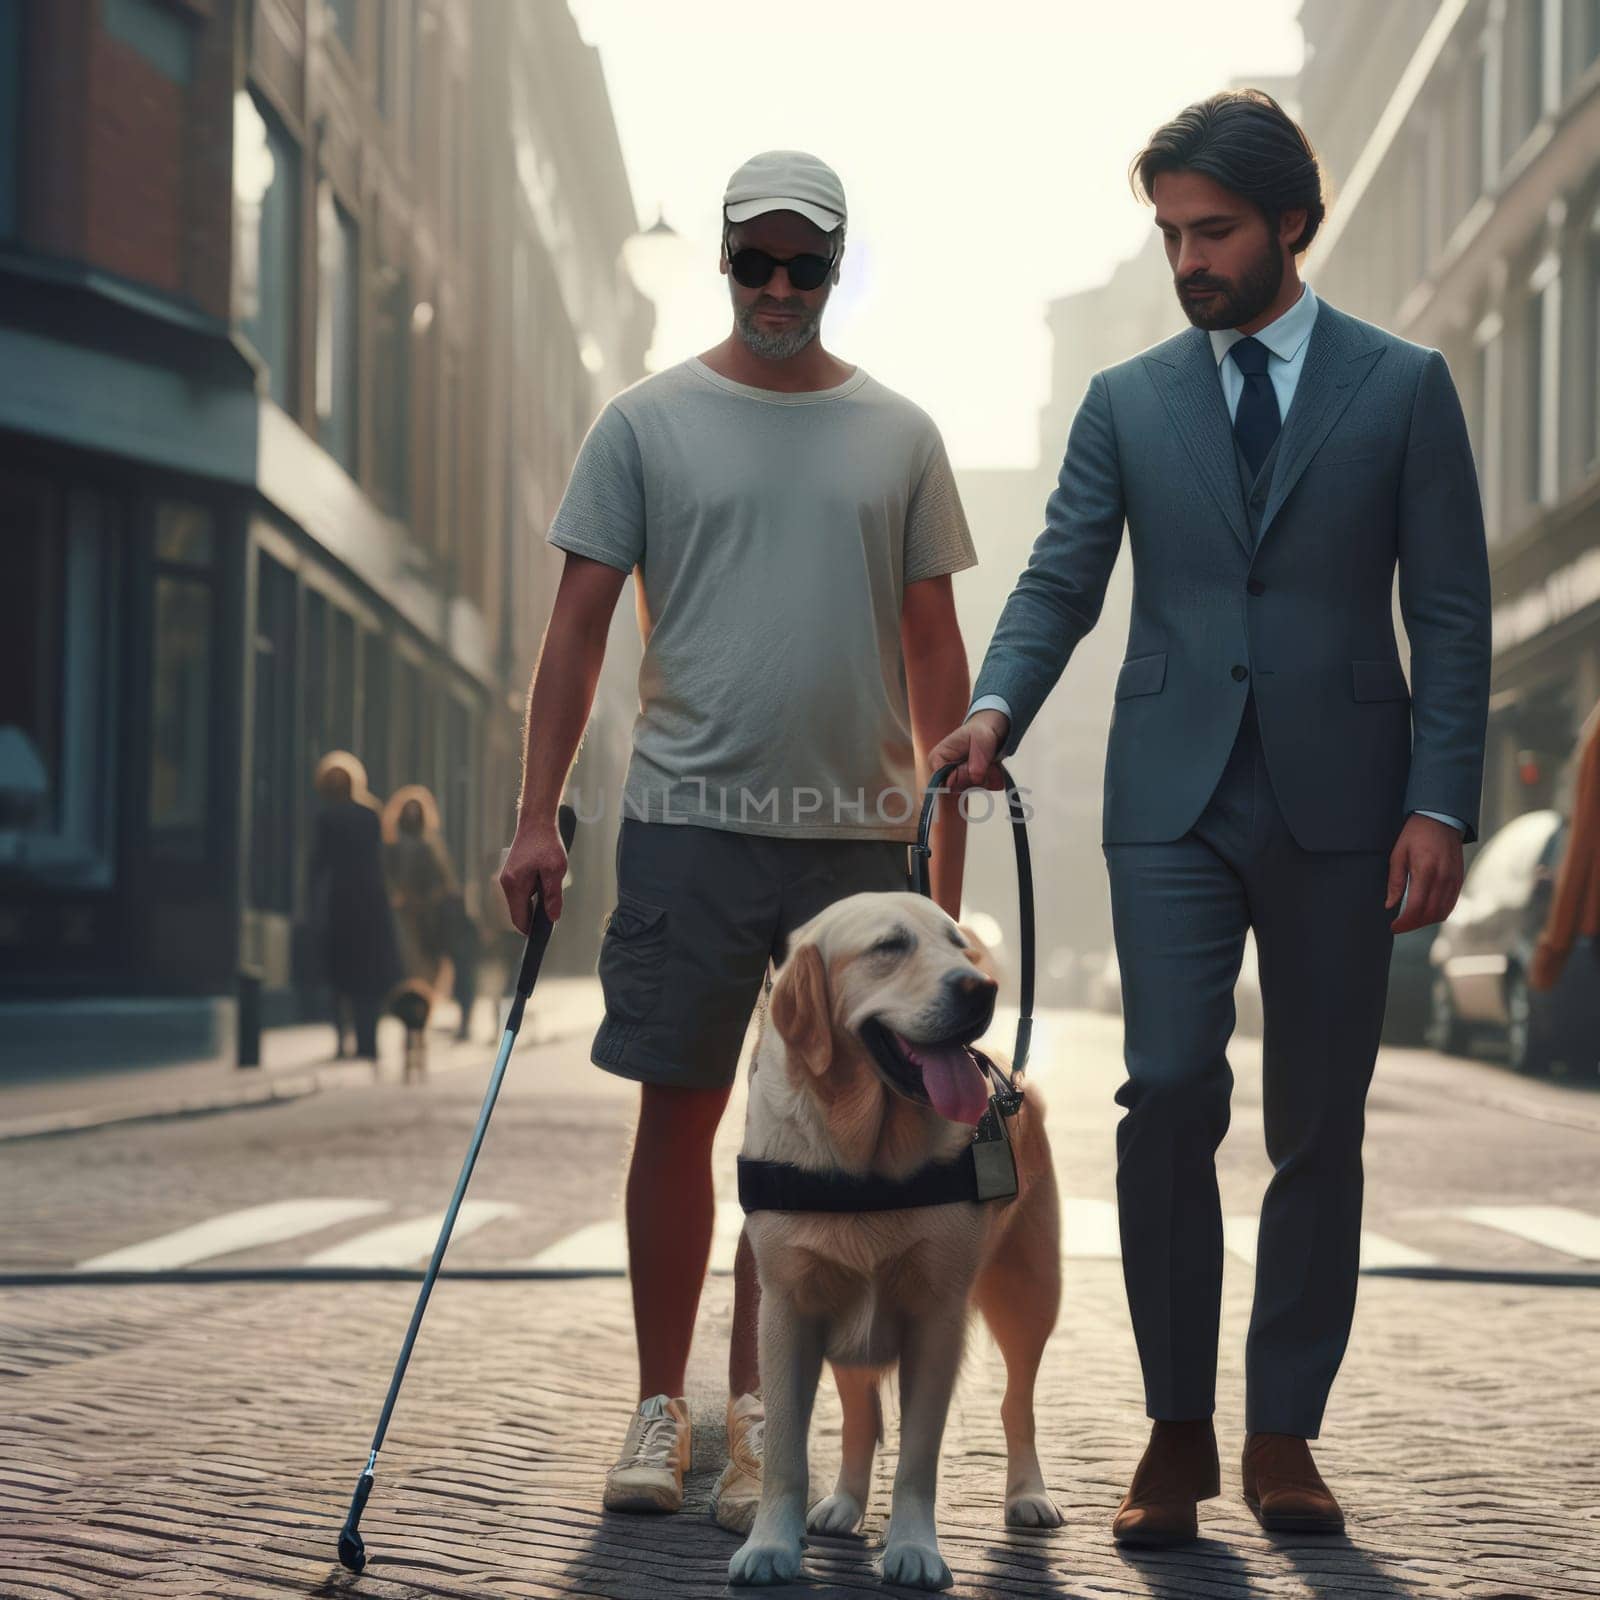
x=954 y=1081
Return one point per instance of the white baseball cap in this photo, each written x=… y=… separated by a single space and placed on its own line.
x=786 y=180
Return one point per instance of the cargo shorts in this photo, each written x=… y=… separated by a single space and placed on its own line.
x=703 y=917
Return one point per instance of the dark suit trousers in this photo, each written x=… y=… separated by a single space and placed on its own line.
x=1180 y=912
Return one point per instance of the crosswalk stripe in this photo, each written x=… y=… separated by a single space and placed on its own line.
x=402 y=1243
x=1239 y=1235
x=603 y=1246
x=1089 y=1229
x=1573 y=1233
x=235 y=1230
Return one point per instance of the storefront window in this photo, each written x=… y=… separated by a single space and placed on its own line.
x=374 y=746
x=272 y=739
x=182 y=674
x=58 y=659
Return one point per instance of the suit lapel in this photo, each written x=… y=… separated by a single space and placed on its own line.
x=1184 y=372
x=1338 y=360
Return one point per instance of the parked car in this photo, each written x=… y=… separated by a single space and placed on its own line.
x=1405 y=1018
x=1481 y=955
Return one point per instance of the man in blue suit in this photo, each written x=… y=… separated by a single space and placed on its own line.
x=1268 y=766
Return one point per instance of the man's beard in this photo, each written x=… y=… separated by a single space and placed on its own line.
x=777 y=344
x=1235 y=304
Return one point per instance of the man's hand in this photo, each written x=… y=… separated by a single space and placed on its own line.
x=975 y=744
x=1428 y=852
x=537 y=859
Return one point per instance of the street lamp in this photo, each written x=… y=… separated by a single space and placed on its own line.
x=662 y=265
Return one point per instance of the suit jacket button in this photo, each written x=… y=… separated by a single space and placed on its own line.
x=1256 y=586
x=1240 y=674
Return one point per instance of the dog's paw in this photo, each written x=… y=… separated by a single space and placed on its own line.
x=839 y=1513
x=760 y=1561
x=918 y=1566
x=1033 y=1510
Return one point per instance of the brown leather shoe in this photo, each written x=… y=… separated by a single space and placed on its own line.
x=1178 y=1470
x=1283 y=1487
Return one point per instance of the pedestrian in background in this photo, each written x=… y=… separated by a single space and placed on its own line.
x=1575 y=906
x=421 y=881
x=352 y=926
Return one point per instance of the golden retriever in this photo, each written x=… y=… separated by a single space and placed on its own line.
x=860 y=1066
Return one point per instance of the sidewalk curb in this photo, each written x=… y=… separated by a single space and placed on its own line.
x=282 y=1091
x=282 y=1088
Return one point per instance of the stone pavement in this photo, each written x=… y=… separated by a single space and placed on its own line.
x=294 y=1062
x=183 y=1440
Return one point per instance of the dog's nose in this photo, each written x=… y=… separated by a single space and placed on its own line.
x=972 y=983
x=971 y=997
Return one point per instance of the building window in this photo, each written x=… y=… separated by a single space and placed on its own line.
x=58 y=681
x=10 y=113
x=338 y=318
x=1533 y=370
x=343 y=15
x=272 y=739
x=266 y=191
x=391 y=391
x=422 y=25
x=1488 y=116
x=182 y=673
x=383 y=86
x=1532 y=48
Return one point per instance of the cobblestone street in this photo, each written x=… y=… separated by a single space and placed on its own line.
x=181 y=1441
x=172 y=1438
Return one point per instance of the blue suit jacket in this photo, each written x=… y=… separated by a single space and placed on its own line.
x=1374 y=470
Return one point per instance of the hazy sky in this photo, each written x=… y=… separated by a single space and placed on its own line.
x=983 y=144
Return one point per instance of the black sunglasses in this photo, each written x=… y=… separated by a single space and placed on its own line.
x=754 y=268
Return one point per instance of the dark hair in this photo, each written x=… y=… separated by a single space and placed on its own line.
x=1248 y=143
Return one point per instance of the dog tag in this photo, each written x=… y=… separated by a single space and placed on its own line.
x=992 y=1160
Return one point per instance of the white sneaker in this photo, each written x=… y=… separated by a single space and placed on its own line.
x=648 y=1475
x=738 y=1490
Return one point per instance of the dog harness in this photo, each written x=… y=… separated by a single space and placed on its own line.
x=986 y=1169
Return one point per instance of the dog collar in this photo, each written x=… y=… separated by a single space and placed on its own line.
x=985 y=1170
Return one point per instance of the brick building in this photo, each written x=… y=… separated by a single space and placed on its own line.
x=272 y=474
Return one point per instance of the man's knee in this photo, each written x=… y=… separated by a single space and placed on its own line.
x=1187 y=1090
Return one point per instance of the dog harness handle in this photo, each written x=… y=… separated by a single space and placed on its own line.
x=922 y=853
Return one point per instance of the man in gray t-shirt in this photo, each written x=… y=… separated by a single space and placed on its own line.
x=793 y=526
x=775 y=534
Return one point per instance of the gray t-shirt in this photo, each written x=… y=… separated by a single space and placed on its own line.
x=775 y=534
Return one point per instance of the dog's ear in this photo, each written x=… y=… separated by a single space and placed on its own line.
x=801 y=1010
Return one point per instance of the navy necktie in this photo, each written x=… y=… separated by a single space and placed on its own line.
x=1256 y=421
